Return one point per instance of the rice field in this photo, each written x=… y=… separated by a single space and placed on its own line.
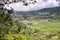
x=47 y=26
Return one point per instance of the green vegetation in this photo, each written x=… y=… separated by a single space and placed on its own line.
x=45 y=31
x=11 y=29
x=47 y=26
x=14 y=37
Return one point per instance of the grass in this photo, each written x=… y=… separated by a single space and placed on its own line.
x=47 y=31
x=47 y=26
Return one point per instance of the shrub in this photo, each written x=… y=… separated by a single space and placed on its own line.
x=14 y=37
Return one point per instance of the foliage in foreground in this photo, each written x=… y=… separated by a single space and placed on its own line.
x=14 y=37
x=10 y=29
x=44 y=36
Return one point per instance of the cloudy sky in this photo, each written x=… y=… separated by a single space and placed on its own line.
x=39 y=4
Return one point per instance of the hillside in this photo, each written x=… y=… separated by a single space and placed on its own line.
x=46 y=13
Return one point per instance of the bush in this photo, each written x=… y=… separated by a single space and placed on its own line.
x=14 y=37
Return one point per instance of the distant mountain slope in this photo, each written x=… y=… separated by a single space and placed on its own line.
x=55 y=9
x=51 y=10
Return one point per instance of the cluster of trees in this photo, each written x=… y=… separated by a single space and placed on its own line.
x=9 y=27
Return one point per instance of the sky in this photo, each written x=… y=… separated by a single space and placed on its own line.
x=39 y=4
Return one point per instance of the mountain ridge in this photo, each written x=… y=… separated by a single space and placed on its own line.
x=43 y=10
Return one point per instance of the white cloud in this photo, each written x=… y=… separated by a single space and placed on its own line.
x=37 y=6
